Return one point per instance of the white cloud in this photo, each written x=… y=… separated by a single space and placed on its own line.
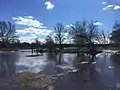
x=49 y=5
x=111 y=7
x=98 y=23
x=30 y=17
x=30 y=39
x=32 y=30
x=108 y=7
x=116 y=7
x=34 y=65
x=31 y=33
x=104 y=3
x=69 y=25
x=28 y=21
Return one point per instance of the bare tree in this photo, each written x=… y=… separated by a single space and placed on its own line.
x=50 y=43
x=7 y=31
x=92 y=32
x=103 y=37
x=115 y=35
x=116 y=25
x=49 y=40
x=78 y=32
x=59 y=31
x=37 y=45
x=60 y=36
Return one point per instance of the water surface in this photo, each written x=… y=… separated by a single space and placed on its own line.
x=101 y=75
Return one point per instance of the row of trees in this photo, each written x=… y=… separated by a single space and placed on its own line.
x=85 y=32
x=80 y=33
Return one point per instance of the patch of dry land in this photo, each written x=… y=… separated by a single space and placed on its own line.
x=31 y=80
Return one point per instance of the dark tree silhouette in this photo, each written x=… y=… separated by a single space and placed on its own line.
x=78 y=33
x=50 y=43
x=49 y=40
x=93 y=36
x=7 y=32
x=115 y=35
x=59 y=31
x=37 y=45
x=84 y=32
x=103 y=37
x=92 y=32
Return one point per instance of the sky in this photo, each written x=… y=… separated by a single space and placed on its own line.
x=36 y=18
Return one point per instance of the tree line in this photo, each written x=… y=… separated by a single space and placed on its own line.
x=79 y=33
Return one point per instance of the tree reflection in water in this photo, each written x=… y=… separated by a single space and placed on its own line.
x=7 y=67
x=59 y=59
x=86 y=68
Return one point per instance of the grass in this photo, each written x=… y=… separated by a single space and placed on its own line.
x=9 y=49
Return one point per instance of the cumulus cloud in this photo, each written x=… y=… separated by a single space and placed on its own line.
x=32 y=30
x=49 y=5
x=30 y=39
x=104 y=3
x=108 y=7
x=35 y=65
x=98 y=23
x=28 y=21
x=116 y=7
x=69 y=25
x=30 y=17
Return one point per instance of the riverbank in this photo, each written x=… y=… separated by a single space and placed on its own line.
x=57 y=51
x=26 y=81
x=9 y=49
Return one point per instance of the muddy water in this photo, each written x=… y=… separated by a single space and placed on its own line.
x=103 y=74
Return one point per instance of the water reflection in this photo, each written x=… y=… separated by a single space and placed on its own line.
x=59 y=59
x=48 y=63
x=51 y=56
x=7 y=64
x=73 y=68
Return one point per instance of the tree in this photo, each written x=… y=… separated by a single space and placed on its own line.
x=7 y=31
x=92 y=37
x=37 y=45
x=78 y=33
x=103 y=37
x=49 y=40
x=59 y=31
x=50 y=43
x=84 y=32
x=115 y=35
x=92 y=32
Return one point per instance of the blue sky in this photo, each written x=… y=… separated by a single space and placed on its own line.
x=38 y=17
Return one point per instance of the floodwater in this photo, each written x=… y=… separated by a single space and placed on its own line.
x=103 y=74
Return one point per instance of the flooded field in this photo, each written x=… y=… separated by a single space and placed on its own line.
x=103 y=74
